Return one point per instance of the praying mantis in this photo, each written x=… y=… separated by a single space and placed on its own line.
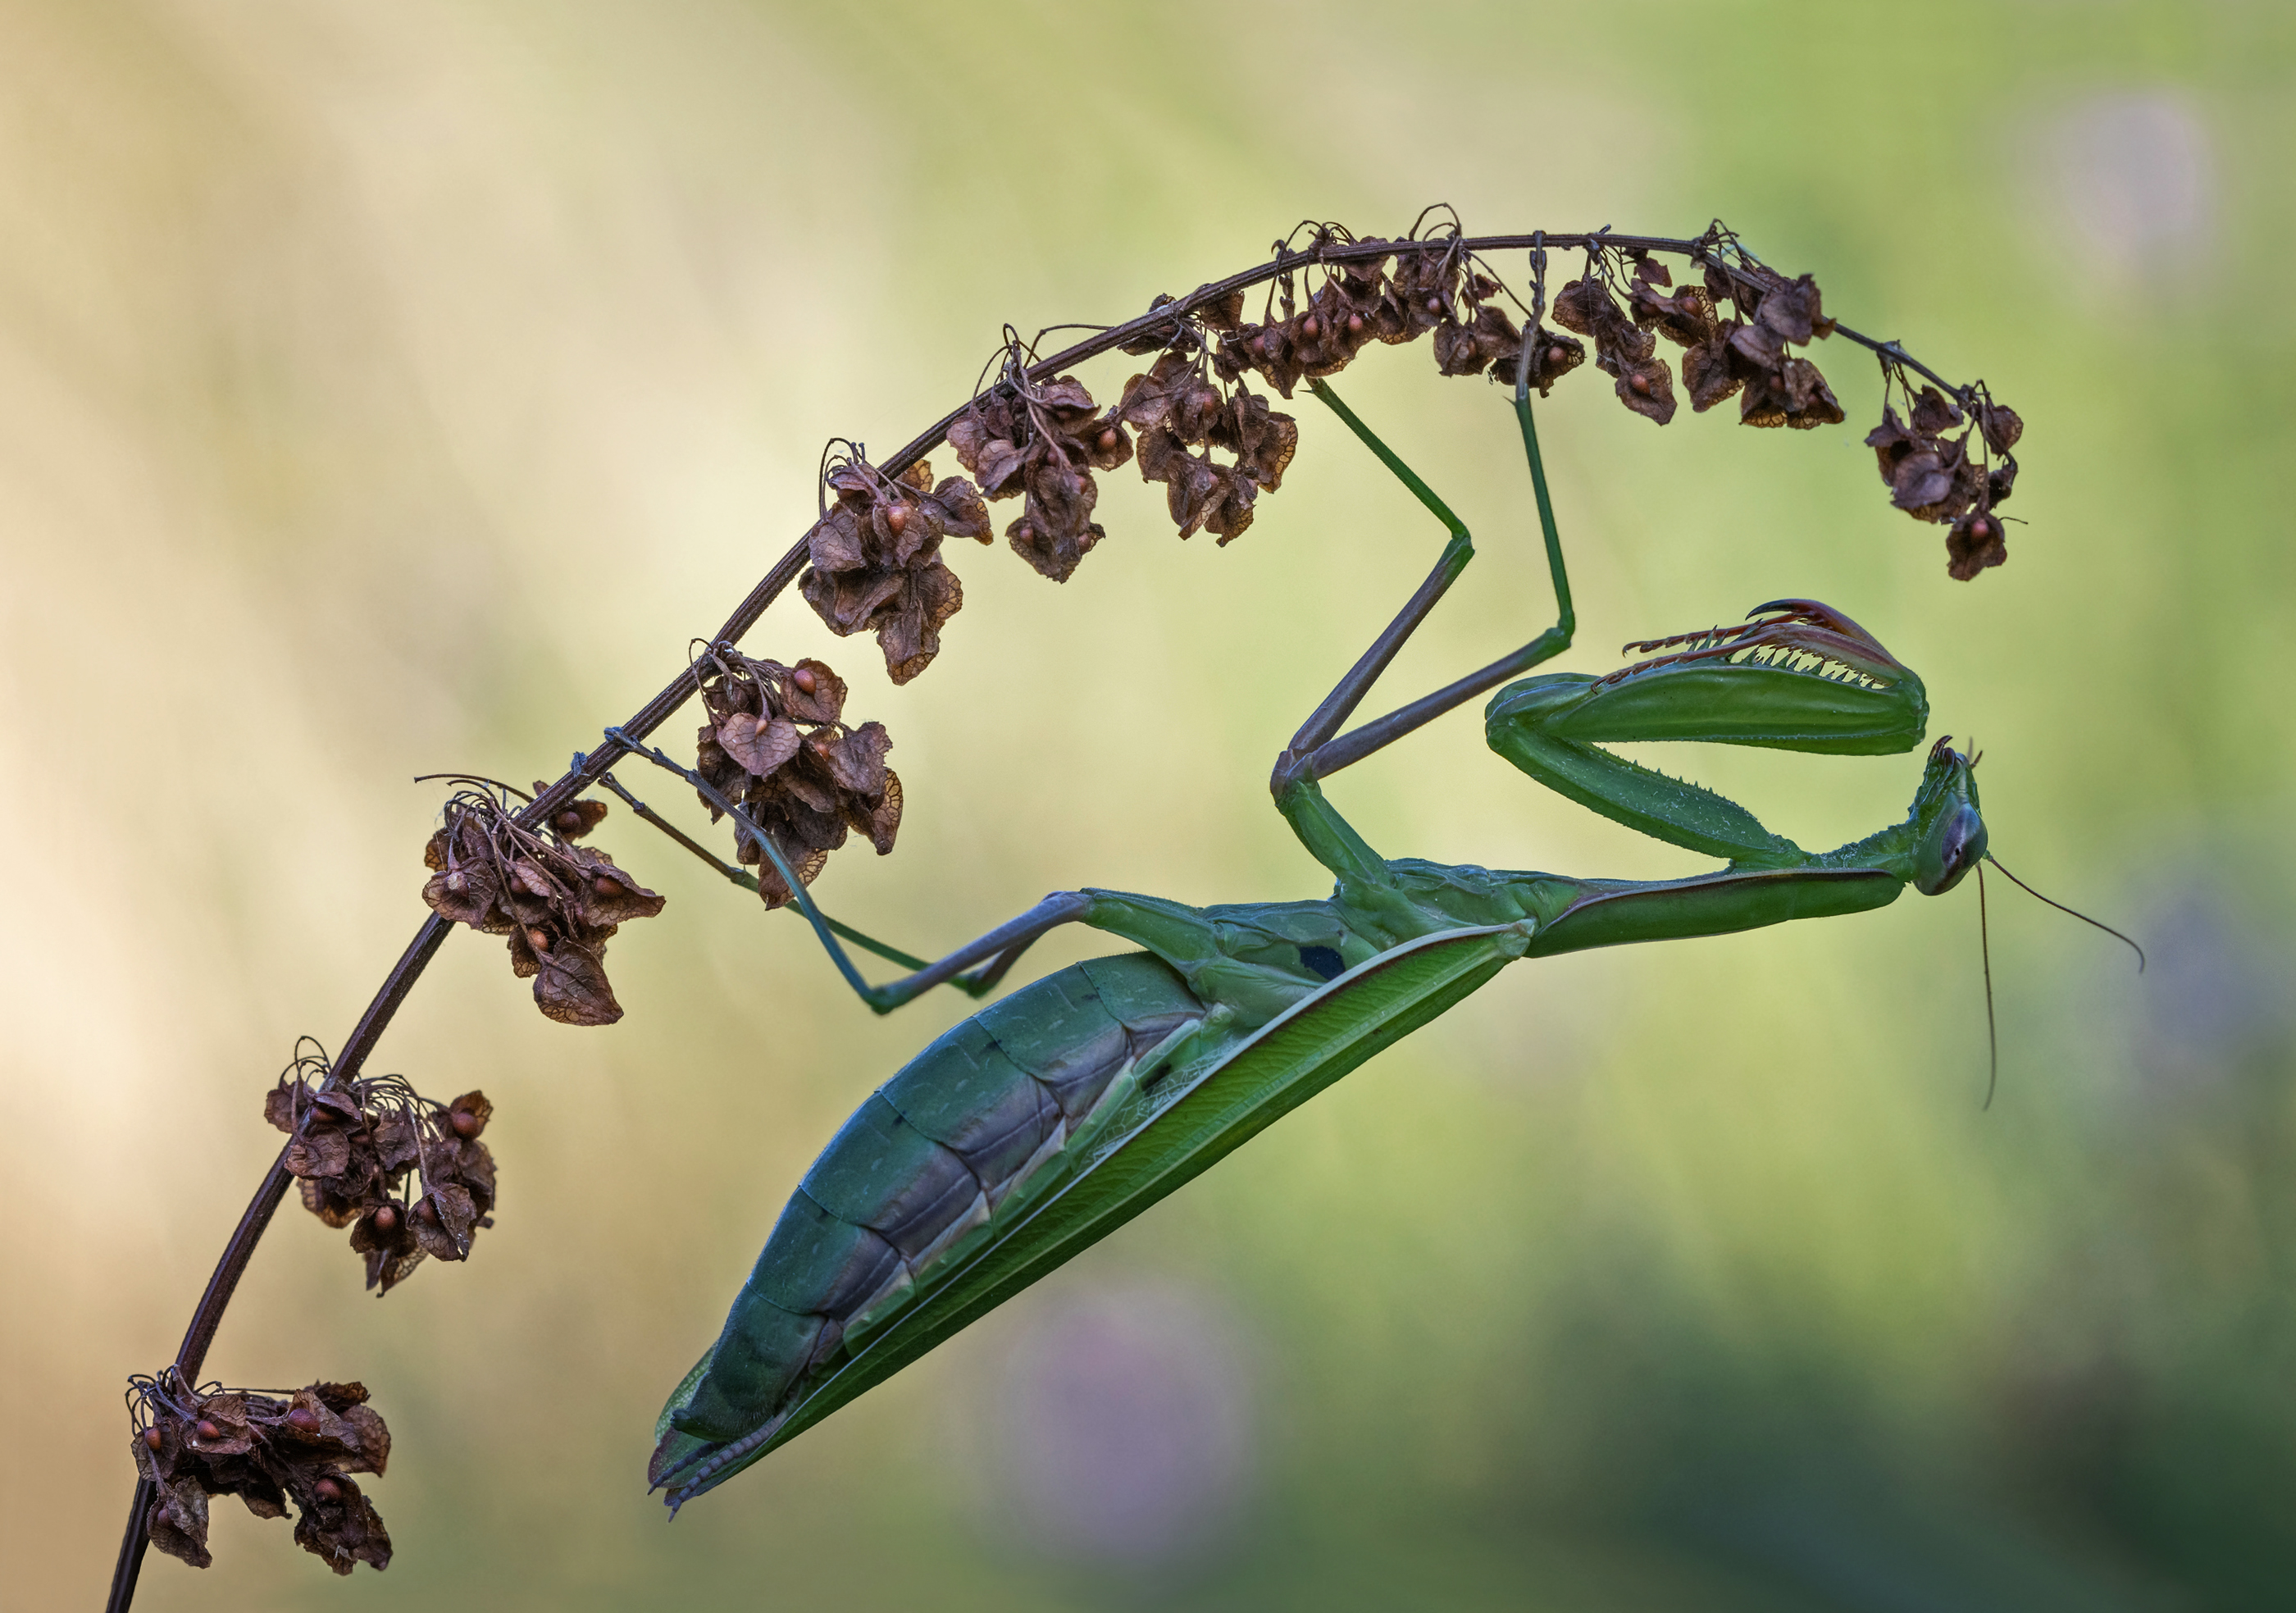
x=1043 y=1123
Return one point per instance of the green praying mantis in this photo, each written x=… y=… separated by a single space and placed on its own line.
x=1043 y=1123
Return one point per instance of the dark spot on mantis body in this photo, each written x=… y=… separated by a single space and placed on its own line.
x=1324 y=962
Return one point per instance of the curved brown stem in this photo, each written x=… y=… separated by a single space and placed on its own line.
x=208 y=1315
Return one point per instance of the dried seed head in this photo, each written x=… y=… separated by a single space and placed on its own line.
x=870 y=574
x=497 y=875
x=270 y=1451
x=817 y=779
x=2001 y=426
x=1974 y=544
x=393 y=1133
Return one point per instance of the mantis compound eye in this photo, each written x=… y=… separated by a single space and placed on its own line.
x=1955 y=846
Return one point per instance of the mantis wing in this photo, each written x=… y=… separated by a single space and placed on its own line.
x=1168 y=1118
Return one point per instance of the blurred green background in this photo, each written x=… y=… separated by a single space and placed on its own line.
x=391 y=389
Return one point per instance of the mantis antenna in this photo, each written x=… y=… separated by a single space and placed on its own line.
x=2060 y=907
x=1985 y=954
x=1985 y=960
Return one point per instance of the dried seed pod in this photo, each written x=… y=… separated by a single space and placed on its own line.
x=1934 y=414
x=1042 y=439
x=1262 y=440
x=1647 y=386
x=385 y=1239
x=873 y=572
x=1930 y=478
x=497 y=876
x=1055 y=531
x=2001 y=425
x=1485 y=342
x=820 y=778
x=268 y=1449
x=443 y=1219
x=1974 y=542
x=1999 y=482
x=468 y=1115
x=1685 y=317
x=1623 y=350
x=1420 y=288
x=403 y=1150
x=575 y=819
x=1177 y=406
x=1553 y=356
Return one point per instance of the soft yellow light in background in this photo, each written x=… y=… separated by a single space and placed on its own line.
x=385 y=390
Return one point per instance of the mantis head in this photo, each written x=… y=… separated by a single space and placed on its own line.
x=1949 y=831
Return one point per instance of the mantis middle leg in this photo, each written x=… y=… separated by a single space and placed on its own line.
x=995 y=952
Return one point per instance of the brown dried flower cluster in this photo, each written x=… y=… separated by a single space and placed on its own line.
x=1749 y=356
x=407 y=1175
x=1175 y=407
x=1625 y=350
x=1428 y=289
x=1935 y=478
x=1752 y=355
x=1043 y=440
x=1742 y=327
x=877 y=565
x=556 y=901
x=268 y=1449
x=774 y=746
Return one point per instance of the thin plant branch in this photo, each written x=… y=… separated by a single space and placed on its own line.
x=592 y=769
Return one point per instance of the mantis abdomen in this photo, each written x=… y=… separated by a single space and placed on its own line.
x=925 y=1160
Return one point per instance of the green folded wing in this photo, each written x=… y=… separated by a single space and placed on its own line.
x=1169 y=1117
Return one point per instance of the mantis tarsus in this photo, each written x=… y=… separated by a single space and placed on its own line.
x=1040 y=1125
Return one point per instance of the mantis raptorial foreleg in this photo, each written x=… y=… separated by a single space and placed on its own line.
x=1750 y=684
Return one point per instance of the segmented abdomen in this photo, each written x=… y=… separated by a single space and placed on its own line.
x=926 y=1158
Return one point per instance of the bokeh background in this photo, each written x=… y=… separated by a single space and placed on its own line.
x=386 y=390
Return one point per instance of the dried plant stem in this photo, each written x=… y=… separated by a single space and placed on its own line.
x=208 y=1315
